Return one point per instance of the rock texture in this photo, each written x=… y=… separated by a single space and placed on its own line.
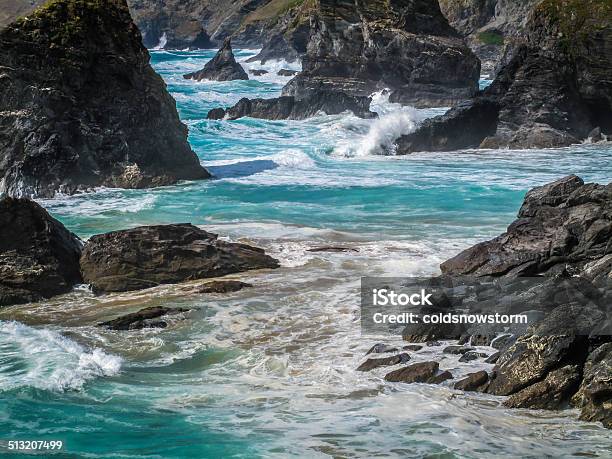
x=595 y=394
x=473 y=381
x=222 y=67
x=288 y=107
x=39 y=257
x=358 y=46
x=145 y=318
x=565 y=222
x=147 y=256
x=423 y=372
x=371 y=364
x=13 y=9
x=550 y=393
x=554 y=91
x=81 y=107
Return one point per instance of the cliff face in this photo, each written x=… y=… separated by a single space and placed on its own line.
x=555 y=90
x=82 y=107
x=13 y=9
x=492 y=28
x=358 y=46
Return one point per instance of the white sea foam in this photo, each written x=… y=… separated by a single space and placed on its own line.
x=163 y=41
x=44 y=359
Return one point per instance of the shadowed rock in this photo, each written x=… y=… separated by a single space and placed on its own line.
x=549 y=394
x=371 y=364
x=285 y=107
x=39 y=257
x=91 y=111
x=222 y=67
x=473 y=382
x=595 y=394
x=145 y=318
x=147 y=256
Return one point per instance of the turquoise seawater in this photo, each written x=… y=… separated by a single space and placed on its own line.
x=270 y=371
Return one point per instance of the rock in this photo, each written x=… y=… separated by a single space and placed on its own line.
x=421 y=372
x=550 y=94
x=287 y=72
x=444 y=376
x=493 y=358
x=469 y=356
x=142 y=319
x=412 y=347
x=222 y=286
x=563 y=223
x=258 y=72
x=531 y=358
x=430 y=333
x=371 y=364
x=39 y=257
x=147 y=256
x=222 y=67
x=332 y=249
x=457 y=349
x=595 y=135
x=502 y=342
x=381 y=348
x=473 y=382
x=358 y=47
x=595 y=394
x=285 y=107
x=92 y=112
x=433 y=343
x=549 y=394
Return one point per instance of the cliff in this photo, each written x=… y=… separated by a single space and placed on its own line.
x=82 y=107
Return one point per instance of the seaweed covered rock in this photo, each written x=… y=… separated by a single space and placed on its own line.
x=39 y=257
x=147 y=256
x=82 y=107
x=222 y=67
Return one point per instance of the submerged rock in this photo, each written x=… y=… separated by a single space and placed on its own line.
x=333 y=249
x=222 y=67
x=550 y=393
x=39 y=257
x=145 y=318
x=147 y=256
x=358 y=47
x=258 y=72
x=556 y=88
x=286 y=107
x=91 y=111
x=222 y=286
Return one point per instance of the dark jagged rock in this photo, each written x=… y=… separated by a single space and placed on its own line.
x=457 y=349
x=473 y=382
x=422 y=372
x=147 y=256
x=222 y=67
x=493 y=358
x=440 y=378
x=145 y=318
x=333 y=249
x=358 y=47
x=288 y=107
x=258 y=72
x=39 y=257
x=471 y=355
x=595 y=393
x=563 y=223
x=371 y=364
x=286 y=72
x=82 y=107
x=381 y=348
x=429 y=333
x=412 y=347
x=222 y=286
x=556 y=88
x=549 y=394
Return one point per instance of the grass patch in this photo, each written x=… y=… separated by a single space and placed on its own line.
x=491 y=38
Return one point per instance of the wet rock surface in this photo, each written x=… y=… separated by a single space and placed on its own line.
x=147 y=256
x=145 y=318
x=371 y=364
x=422 y=372
x=222 y=67
x=473 y=382
x=39 y=257
x=288 y=107
x=227 y=286
x=594 y=396
x=91 y=112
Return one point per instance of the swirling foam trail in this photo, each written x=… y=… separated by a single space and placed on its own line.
x=44 y=359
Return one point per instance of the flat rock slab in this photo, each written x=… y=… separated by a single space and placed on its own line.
x=148 y=256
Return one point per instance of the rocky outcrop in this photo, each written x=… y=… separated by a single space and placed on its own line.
x=145 y=318
x=358 y=47
x=147 y=256
x=222 y=67
x=81 y=106
x=39 y=257
x=549 y=394
x=288 y=107
x=555 y=90
x=595 y=394
x=565 y=224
